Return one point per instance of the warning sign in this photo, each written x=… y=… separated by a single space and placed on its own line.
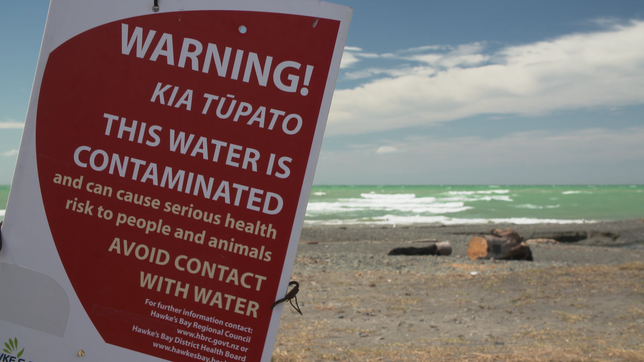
x=174 y=154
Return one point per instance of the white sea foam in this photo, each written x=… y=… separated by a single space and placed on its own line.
x=334 y=207
x=388 y=197
x=485 y=192
x=495 y=198
x=478 y=198
x=529 y=206
x=456 y=205
x=1 y=212
x=320 y=193
x=395 y=202
x=417 y=219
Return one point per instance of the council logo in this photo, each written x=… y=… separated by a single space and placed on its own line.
x=12 y=352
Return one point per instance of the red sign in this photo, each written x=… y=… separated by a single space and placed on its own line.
x=171 y=152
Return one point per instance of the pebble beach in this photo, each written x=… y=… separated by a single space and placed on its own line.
x=359 y=303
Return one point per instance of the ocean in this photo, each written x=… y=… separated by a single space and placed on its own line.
x=465 y=204
x=4 y=193
x=473 y=204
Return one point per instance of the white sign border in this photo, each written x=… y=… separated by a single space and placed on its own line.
x=63 y=23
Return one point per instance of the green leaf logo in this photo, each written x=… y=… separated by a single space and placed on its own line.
x=12 y=346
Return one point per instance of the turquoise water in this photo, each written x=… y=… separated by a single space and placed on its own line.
x=465 y=204
x=473 y=204
x=4 y=193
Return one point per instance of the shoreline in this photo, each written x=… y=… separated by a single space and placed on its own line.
x=367 y=247
x=628 y=232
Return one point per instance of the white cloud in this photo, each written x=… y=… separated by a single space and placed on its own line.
x=11 y=125
x=598 y=69
x=387 y=149
x=348 y=59
x=391 y=72
x=9 y=153
x=462 y=56
x=352 y=55
x=589 y=156
x=352 y=49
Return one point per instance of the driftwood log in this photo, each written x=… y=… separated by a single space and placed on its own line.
x=442 y=248
x=504 y=244
x=541 y=241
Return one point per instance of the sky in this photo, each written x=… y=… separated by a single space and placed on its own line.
x=447 y=92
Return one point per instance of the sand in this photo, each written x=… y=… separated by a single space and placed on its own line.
x=577 y=301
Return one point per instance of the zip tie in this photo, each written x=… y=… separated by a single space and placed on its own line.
x=290 y=296
x=155 y=8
